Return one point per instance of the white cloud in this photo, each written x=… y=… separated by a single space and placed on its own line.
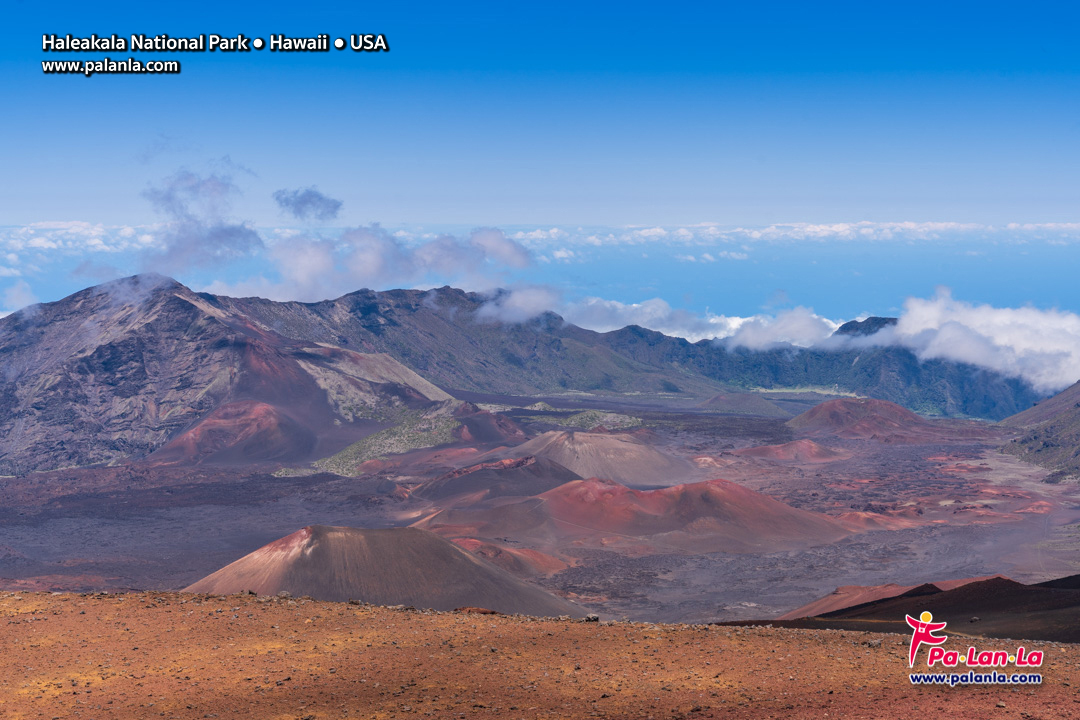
x=653 y=232
x=72 y=227
x=714 y=235
x=1045 y=227
x=800 y=327
x=68 y=238
x=320 y=268
x=73 y=237
x=498 y=248
x=1040 y=346
x=540 y=234
x=519 y=304
x=605 y=315
x=858 y=231
x=713 y=256
x=600 y=240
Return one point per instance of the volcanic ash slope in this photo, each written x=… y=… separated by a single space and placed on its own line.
x=393 y=566
x=618 y=457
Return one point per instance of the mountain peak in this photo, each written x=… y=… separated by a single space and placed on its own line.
x=386 y=566
x=139 y=287
x=869 y=326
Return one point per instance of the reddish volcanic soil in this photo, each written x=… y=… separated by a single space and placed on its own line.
x=902 y=513
x=519 y=476
x=186 y=656
x=384 y=566
x=485 y=427
x=241 y=431
x=621 y=457
x=803 y=451
x=869 y=419
x=521 y=562
x=713 y=516
x=745 y=519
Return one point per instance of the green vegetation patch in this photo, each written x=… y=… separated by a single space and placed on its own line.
x=585 y=420
x=831 y=391
x=494 y=407
x=414 y=432
x=294 y=472
x=592 y=418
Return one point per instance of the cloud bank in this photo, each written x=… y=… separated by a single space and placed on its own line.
x=519 y=304
x=1041 y=347
x=605 y=315
x=799 y=326
x=311 y=269
x=718 y=236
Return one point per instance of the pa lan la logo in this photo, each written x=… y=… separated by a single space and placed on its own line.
x=923 y=633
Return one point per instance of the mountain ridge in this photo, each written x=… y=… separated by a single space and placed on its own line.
x=118 y=371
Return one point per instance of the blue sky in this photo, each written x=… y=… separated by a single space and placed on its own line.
x=616 y=113
x=751 y=137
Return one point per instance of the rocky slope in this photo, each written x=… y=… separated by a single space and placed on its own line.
x=1051 y=434
x=144 y=364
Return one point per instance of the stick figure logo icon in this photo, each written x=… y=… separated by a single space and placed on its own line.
x=923 y=631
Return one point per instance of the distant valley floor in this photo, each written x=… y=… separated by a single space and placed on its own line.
x=919 y=509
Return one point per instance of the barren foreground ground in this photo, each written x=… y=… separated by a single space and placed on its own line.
x=145 y=655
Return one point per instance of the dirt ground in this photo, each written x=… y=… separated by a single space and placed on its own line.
x=144 y=655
